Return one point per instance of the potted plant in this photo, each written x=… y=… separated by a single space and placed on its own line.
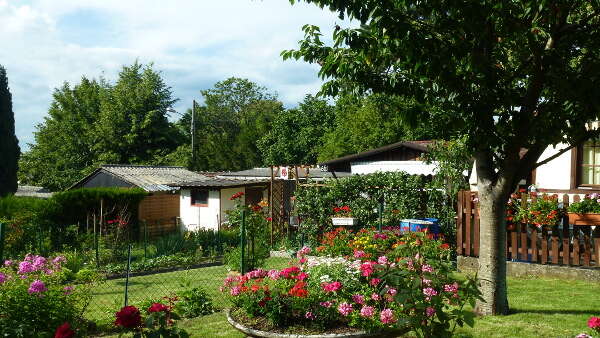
x=586 y=211
x=343 y=216
x=541 y=212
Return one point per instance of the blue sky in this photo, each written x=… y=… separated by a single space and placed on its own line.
x=194 y=43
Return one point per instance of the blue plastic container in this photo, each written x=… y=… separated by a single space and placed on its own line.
x=415 y=225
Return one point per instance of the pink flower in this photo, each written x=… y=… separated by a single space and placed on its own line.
x=68 y=290
x=375 y=281
x=594 y=323
x=366 y=269
x=25 y=267
x=375 y=296
x=8 y=262
x=344 y=309
x=273 y=274
x=304 y=251
x=426 y=281
x=310 y=315
x=427 y=268
x=303 y=260
x=430 y=292
x=37 y=286
x=451 y=288
x=3 y=278
x=359 y=299
x=302 y=276
x=430 y=311
x=409 y=265
x=367 y=311
x=392 y=291
x=380 y=236
x=359 y=254
x=331 y=287
x=382 y=260
x=38 y=262
x=59 y=259
x=387 y=316
x=583 y=335
x=326 y=304
x=235 y=291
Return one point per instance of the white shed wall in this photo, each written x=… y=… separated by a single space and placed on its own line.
x=226 y=203
x=195 y=217
x=411 y=167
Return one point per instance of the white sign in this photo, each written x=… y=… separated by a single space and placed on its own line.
x=284 y=173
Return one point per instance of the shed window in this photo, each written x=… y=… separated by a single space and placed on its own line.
x=200 y=197
x=590 y=163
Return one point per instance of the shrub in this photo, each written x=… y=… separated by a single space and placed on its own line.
x=159 y=321
x=193 y=303
x=34 y=302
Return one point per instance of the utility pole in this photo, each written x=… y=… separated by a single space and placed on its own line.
x=193 y=133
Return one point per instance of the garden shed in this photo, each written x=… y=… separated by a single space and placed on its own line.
x=161 y=208
x=400 y=156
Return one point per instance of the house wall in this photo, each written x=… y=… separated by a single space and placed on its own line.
x=411 y=167
x=196 y=217
x=555 y=174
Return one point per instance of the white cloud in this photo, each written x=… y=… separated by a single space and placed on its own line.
x=194 y=43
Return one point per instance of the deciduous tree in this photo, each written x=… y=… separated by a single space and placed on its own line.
x=514 y=76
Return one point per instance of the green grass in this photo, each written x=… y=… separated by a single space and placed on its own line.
x=539 y=307
x=542 y=308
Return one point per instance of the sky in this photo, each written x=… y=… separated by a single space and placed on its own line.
x=194 y=43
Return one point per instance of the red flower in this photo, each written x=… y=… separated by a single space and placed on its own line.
x=445 y=246
x=129 y=317
x=64 y=331
x=236 y=195
x=256 y=208
x=269 y=219
x=298 y=290
x=158 y=307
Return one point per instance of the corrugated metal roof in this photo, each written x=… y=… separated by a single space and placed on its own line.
x=33 y=191
x=149 y=178
x=219 y=183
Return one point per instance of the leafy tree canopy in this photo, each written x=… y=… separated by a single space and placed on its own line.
x=9 y=145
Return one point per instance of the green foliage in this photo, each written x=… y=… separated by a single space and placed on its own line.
x=589 y=204
x=296 y=135
x=95 y=122
x=194 y=303
x=404 y=196
x=236 y=113
x=9 y=145
x=373 y=121
x=452 y=160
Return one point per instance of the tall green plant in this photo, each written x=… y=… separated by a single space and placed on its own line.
x=9 y=145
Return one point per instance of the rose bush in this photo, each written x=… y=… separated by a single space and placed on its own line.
x=159 y=321
x=391 y=280
x=34 y=301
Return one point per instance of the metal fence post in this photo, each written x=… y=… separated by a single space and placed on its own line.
x=380 y=210
x=145 y=240
x=243 y=242
x=127 y=274
x=1 y=243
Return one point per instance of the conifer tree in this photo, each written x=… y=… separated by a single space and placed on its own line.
x=9 y=145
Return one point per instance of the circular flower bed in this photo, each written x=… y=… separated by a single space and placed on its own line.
x=373 y=281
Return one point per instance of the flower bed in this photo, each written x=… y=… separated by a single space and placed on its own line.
x=36 y=301
x=375 y=281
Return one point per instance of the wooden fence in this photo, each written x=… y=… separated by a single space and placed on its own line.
x=563 y=245
x=159 y=227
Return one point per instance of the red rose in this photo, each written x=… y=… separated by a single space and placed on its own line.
x=158 y=307
x=64 y=331
x=129 y=317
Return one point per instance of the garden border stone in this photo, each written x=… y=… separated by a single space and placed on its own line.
x=523 y=269
x=257 y=333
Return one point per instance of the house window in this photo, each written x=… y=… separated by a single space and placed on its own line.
x=589 y=165
x=200 y=197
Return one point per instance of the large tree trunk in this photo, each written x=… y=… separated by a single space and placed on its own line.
x=492 y=248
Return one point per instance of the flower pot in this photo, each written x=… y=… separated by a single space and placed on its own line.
x=584 y=219
x=250 y=332
x=344 y=221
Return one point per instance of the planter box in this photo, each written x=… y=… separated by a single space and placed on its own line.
x=584 y=219
x=344 y=221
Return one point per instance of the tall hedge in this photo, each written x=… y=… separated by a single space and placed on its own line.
x=9 y=145
x=402 y=195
